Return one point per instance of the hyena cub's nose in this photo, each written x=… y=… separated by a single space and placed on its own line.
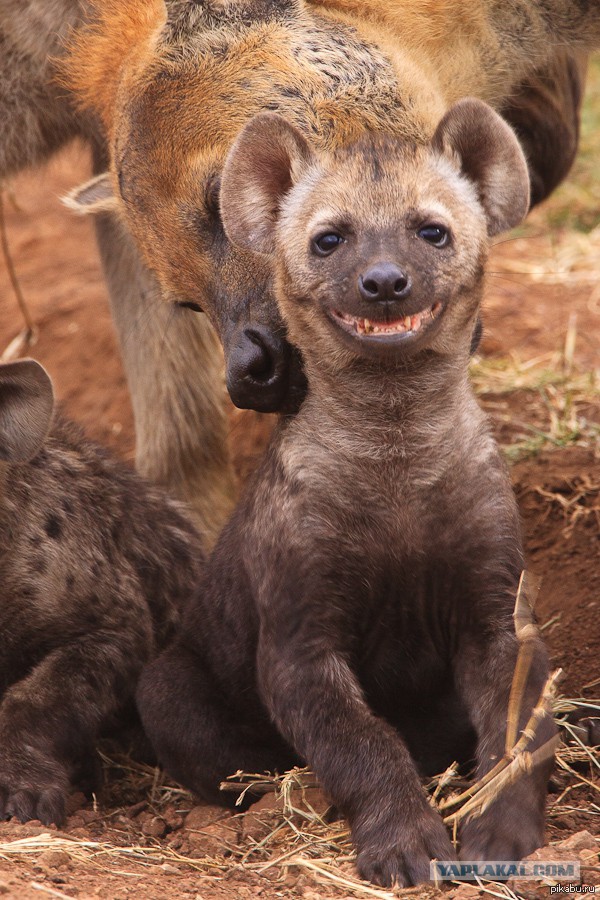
x=383 y=283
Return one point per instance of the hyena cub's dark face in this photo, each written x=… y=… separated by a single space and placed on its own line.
x=379 y=246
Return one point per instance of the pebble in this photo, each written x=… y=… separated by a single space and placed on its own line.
x=156 y=827
x=201 y=816
x=582 y=840
x=168 y=869
x=54 y=859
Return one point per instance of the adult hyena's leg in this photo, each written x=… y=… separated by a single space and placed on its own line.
x=171 y=357
x=545 y=110
x=174 y=367
x=37 y=115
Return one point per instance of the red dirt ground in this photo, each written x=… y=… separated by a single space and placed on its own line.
x=57 y=263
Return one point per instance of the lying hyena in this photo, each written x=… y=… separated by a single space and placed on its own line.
x=95 y=565
x=171 y=357
x=356 y=614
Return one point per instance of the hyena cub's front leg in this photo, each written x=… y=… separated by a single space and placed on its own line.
x=513 y=825
x=364 y=765
x=50 y=720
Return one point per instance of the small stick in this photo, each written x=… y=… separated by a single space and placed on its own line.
x=443 y=780
x=570 y=341
x=28 y=336
x=521 y=764
x=527 y=633
x=357 y=886
x=540 y=710
x=50 y=891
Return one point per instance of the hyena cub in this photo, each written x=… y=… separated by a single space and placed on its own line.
x=357 y=611
x=95 y=565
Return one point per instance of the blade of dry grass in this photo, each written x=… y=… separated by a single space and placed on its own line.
x=50 y=891
x=324 y=875
x=527 y=634
x=520 y=765
x=28 y=336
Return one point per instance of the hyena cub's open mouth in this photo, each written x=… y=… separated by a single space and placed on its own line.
x=387 y=331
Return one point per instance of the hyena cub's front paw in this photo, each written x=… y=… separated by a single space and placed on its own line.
x=399 y=852
x=507 y=830
x=32 y=785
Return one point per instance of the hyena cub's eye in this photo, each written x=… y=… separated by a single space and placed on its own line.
x=437 y=235
x=324 y=244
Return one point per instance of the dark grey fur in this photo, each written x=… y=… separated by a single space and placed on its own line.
x=95 y=565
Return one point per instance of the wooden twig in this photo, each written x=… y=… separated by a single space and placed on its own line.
x=28 y=336
x=50 y=891
x=341 y=880
x=527 y=634
x=522 y=764
x=540 y=711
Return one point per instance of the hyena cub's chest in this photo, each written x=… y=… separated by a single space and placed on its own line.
x=404 y=646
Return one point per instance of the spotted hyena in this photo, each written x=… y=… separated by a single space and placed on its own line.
x=96 y=565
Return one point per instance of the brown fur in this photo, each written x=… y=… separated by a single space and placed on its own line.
x=37 y=115
x=356 y=614
x=543 y=112
x=331 y=68
x=181 y=424
x=122 y=31
x=96 y=565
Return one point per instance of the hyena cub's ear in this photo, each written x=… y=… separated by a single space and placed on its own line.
x=267 y=159
x=95 y=196
x=26 y=405
x=489 y=155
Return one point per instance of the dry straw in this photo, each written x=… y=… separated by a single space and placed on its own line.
x=28 y=336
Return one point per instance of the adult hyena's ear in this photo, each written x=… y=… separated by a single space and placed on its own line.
x=95 y=196
x=26 y=405
x=267 y=159
x=490 y=155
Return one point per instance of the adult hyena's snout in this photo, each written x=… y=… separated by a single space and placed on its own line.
x=259 y=369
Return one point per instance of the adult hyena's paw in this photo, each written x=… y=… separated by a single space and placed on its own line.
x=506 y=831
x=32 y=788
x=401 y=853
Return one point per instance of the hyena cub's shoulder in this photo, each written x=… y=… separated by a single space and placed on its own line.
x=96 y=565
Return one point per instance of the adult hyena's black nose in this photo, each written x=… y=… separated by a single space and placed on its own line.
x=384 y=283
x=258 y=369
